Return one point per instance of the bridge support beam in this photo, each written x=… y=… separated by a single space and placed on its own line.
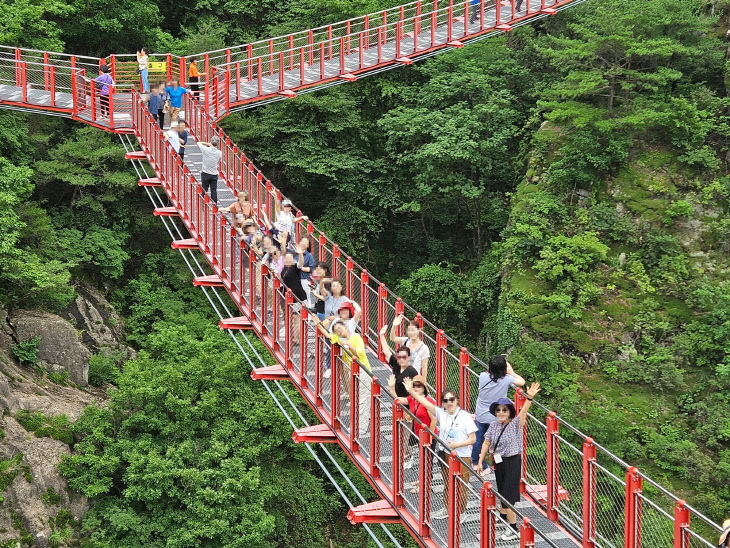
x=208 y=281
x=135 y=155
x=187 y=243
x=271 y=373
x=379 y=511
x=317 y=433
x=168 y=211
x=151 y=181
x=240 y=322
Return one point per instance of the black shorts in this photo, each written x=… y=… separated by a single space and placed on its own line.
x=507 y=473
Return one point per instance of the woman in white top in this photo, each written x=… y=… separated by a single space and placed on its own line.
x=420 y=353
x=457 y=429
x=142 y=59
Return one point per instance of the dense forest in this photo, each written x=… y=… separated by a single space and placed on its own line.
x=561 y=193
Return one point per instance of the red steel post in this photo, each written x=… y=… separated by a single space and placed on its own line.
x=424 y=481
x=488 y=521
x=349 y=274
x=364 y=289
x=632 y=528
x=382 y=296
x=355 y=404
x=288 y=303
x=520 y=399
x=681 y=525
x=374 y=429
x=464 y=378
x=52 y=84
x=303 y=355
x=527 y=534
x=553 y=463
x=440 y=363
x=452 y=506
x=335 y=261
x=397 y=455
x=589 y=494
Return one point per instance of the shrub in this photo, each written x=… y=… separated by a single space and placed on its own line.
x=104 y=367
x=27 y=351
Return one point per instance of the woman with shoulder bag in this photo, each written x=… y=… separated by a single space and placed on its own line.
x=503 y=441
x=493 y=386
x=457 y=429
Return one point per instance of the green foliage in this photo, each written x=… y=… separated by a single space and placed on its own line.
x=104 y=367
x=680 y=208
x=57 y=427
x=569 y=256
x=9 y=468
x=50 y=497
x=27 y=351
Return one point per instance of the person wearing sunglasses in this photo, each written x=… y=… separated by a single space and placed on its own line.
x=423 y=416
x=503 y=441
x=399 y=363
x=493 y=385
x=457 y=429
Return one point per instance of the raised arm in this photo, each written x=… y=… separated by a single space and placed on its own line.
x=300 y=261
x=531 y=393
x=519 y=381
x=391 y=387
x=321 y=325
x=358 y=311
x=387 y=352
x=394 y=328
x=431 y=408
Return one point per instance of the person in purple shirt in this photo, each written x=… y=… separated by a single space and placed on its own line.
x=103 y=85
x=175 y=93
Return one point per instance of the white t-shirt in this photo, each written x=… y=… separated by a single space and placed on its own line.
x=456 y=428
x=285 y=222
x=174 y=138
x=142 y=60
x=420 y=353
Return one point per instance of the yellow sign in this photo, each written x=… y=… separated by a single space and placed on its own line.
x=157 y=66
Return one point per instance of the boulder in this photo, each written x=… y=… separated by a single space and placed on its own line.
x=60 y=347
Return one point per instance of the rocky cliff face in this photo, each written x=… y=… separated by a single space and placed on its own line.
x=36 y=507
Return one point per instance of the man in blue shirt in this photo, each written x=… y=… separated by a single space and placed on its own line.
x=175 y=93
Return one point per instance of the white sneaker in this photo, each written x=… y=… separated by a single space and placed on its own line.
x=440 y=514
x=511 y=534
x=486 y=473
x=327 y=373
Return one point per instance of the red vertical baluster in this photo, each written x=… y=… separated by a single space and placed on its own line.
x=46 y=72
x=466 y=17
x=589 y=494
x=398 y=36
x=348 y=31
x=519 y=402
x=440 y=363
x=302 y=74
x=355 y=404
x=367 y=31
x=271 y=57
x=452 y=504
x=303 y=355
x=488 y=521
x=342 y=55
x=382 y=296
x=553 y=466
x=335 y=261
x=24 y=80
x=321 y=59
x=433 y=28
x=281 y=71
x=238 y=81
x=360 y=49
x=260 y=77
x=52 y=85
x=632 y=529
x=450 y=21
x=310 y=41
x=289 y=301
x=464 y=378
x=349 y=267
x=397 y=455
x=374 y=429
x=329 y=42
x=364 y=289
x=527 y=534
x=291 y=52
x=681 y=525
x=380 y=45
x=424 y=481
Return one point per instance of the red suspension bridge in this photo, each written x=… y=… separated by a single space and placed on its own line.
x=574 y=492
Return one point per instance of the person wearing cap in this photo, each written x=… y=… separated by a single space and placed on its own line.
x=349 y=312
x=724 y=541
x=493 y=386
x=353 y=347
x=209 y=168
x=423 y=416
x=285 y=219
x=457 y=429
x=420 y=354
x=503 y=442
x=249 y=231
x=242 y=211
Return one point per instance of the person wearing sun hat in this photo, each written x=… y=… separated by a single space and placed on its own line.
x=724 y=541
x=503 y=442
